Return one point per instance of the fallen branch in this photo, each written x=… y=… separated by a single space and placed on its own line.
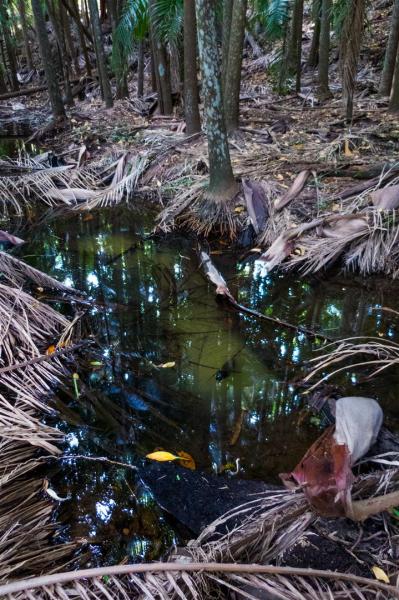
x=43 y=357
x=213 y=275
x=23 y=92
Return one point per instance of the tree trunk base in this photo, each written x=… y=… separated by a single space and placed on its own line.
x=204 y=211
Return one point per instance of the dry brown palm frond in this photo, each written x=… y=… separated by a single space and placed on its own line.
x=197 y=581
x=355 y=352
x=17 y=272
x=124 y=183
x=29 y=181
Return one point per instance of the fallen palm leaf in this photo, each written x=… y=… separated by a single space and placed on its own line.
x=295 y=189
x=163 y=456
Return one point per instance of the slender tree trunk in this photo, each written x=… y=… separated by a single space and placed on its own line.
x=350 y=43
x=140 y=70
x=313 y=58
x=222 y=185
x=153 y=68
x=100 y=54
x=49 y=68
x=25 y=34
x=226 y=30
x=162 y=72
x=121 y=65
x=66 y=27
x=324 y=54
x=81 y=33
x=394 y=101
x=64 y=58
x=3 y=85
x=12 y=62
x=191 y=110
x=390 y=53
x=233 y=75
x=298 y=37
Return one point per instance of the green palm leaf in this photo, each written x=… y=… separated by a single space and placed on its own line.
x=167 y=17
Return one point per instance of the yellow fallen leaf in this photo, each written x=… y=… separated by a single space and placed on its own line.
x=162 y=456
x=187 y=459
x=50 y=350
x=380 y=574
x=279 y=177
x=239 y=209
x=167 y=365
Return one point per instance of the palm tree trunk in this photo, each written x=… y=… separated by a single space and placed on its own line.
x=12 y=62
x=66 y=27
x=350 y=43
x=25 y=34
x=390 y=53
x=121 y=63
x=49 y=68
x=64 y=58
x=324 y=52
x=100 y=54
x=226 y=30
x=191 y=110
x=298 y=37
x=140 y=70
x=233 y=75
x=82 y=41
x=394 y=101
x=162 y=71
x=313 y=58
x=222 y=185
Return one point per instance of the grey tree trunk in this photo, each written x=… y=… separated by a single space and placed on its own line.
x=64 y=57
x=324 y=51
x=222 y=185
x=394 y=101
x=12 y=62
x=82 y=41
x=100 y=54
x=191 y=110
x=49 y=68
x=66 y=26
x=162 y=71
x=313 y=58
x=350 y=44
x=390 y=53
x=25 y=34
x=233 y=76
x=140 y=70
x=226 y=30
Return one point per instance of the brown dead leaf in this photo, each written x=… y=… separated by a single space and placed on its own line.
x=187 y=460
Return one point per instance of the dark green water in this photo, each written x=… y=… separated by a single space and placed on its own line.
x=155 y=307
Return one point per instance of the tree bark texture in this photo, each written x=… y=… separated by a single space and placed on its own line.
x=191 y=110
x=390 y=53
x=226 y=30
x=221 y=180
x=233 y=75
x=350 y=43
x=47 y=61
x=313 y=58
x=25 y=34
x=324 y=50
x=12 y=62
x=140 y=70
x=162 y=71
x=100 y=54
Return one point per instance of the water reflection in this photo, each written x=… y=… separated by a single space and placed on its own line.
x=231 y=393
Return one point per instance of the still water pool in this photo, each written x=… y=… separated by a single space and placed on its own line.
x=229 y=391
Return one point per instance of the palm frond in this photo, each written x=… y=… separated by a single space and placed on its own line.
x=167 y=18
x=132 y=27
x=273 y=15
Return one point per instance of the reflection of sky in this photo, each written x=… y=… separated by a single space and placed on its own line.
x=162 y=311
